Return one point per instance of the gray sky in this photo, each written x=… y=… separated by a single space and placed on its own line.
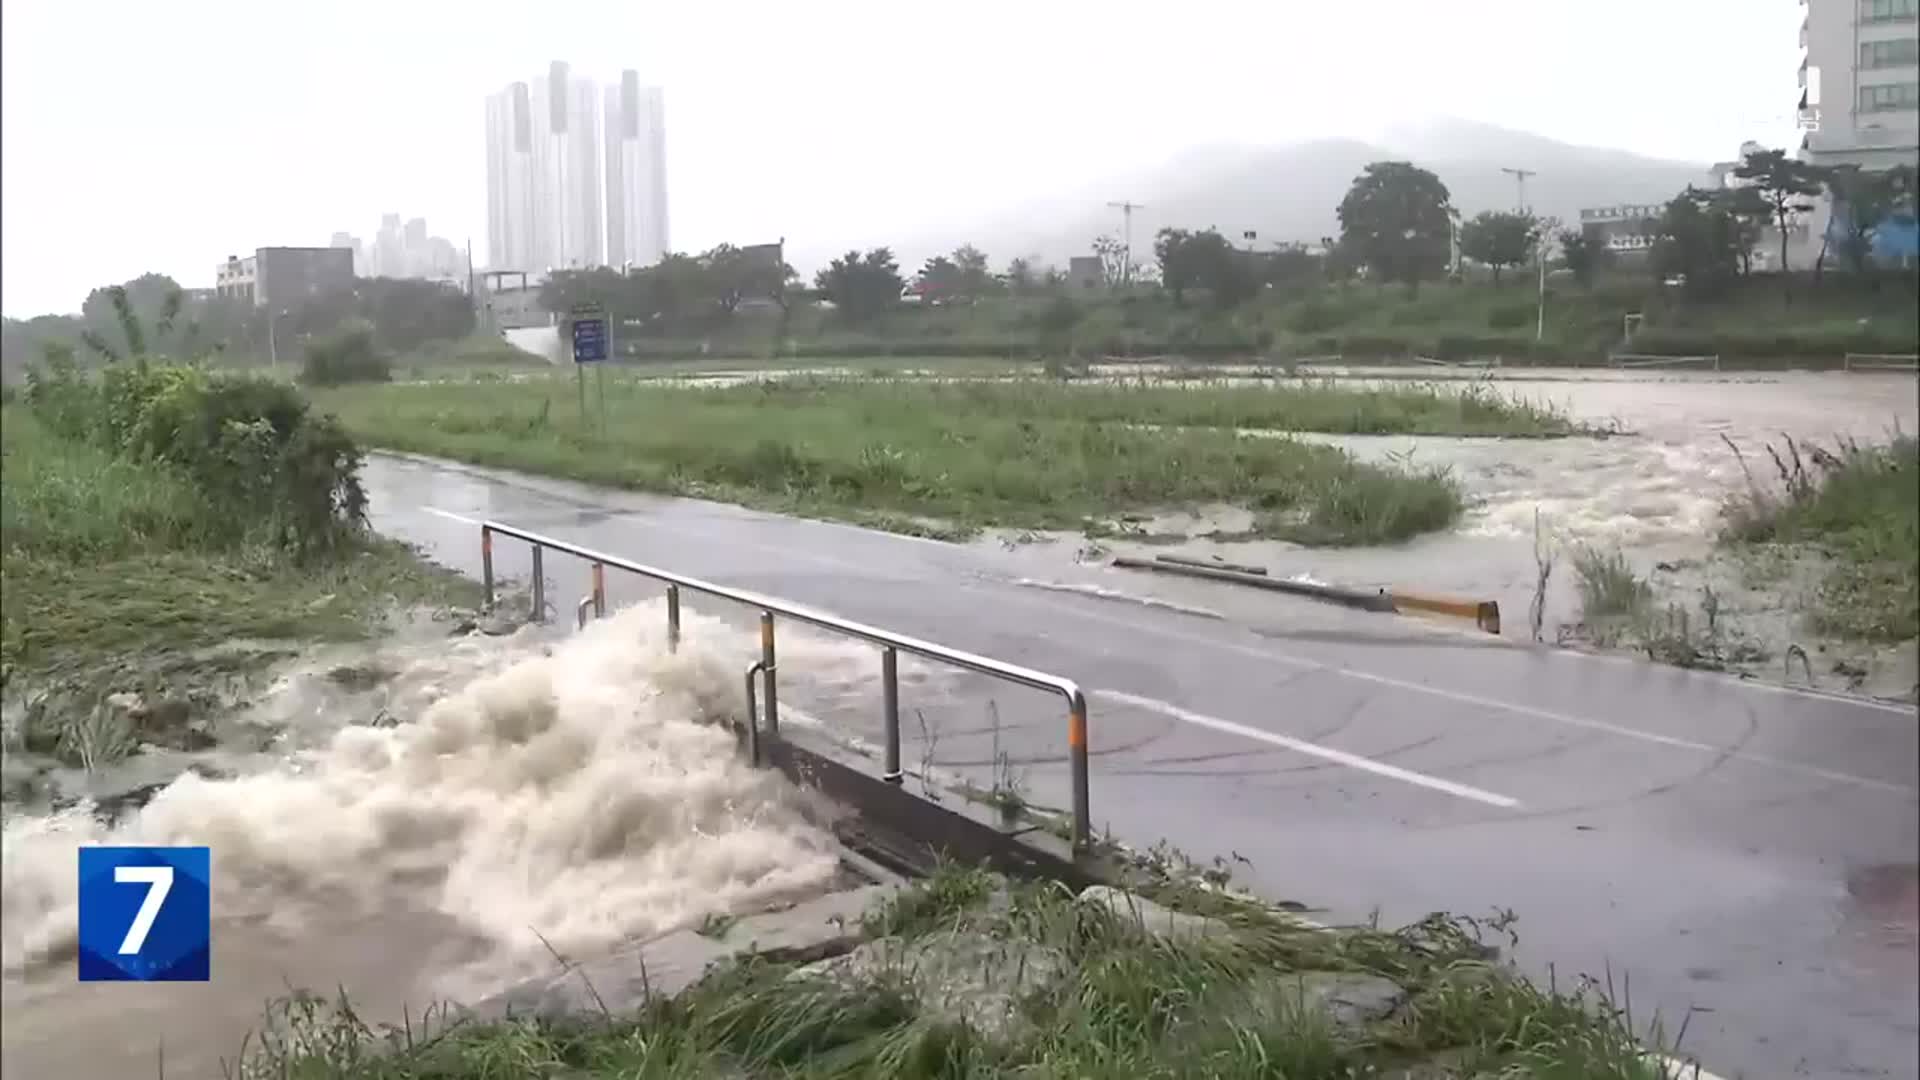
x=142 y=136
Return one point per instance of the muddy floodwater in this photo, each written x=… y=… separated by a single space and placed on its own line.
x=1654 y=493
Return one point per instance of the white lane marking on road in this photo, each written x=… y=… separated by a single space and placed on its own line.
x=1054 y=603
x=451 y=516
x=1301 y=746
x=1851 y=701
x=1617 y=729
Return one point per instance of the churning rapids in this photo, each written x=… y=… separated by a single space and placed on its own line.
x=538 y=796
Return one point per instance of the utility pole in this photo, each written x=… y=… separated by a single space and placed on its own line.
x=1520 y=183
x=1126 y=238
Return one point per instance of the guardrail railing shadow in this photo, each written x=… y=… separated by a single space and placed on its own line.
x=890 y=643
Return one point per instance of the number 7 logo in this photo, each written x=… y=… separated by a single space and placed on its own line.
x=157 y=932
x=159 y=882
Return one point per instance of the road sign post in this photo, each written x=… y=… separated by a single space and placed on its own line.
x=589 y=330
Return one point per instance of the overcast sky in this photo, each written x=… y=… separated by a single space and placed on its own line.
x=142 y=136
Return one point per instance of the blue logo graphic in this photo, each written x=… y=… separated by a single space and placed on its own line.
x=145 y=914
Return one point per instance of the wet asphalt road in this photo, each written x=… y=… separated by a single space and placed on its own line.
x=1743 y=857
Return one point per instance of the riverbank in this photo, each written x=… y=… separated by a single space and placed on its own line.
x=137 y=611
x=947 y=459
x=967 y=974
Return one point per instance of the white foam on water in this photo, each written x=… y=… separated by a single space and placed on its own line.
x=577 y=791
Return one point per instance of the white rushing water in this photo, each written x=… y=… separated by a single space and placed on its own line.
x=535 y=796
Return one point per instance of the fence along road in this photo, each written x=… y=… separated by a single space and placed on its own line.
x=891 y=644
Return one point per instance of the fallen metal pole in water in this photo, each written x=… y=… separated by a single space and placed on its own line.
x=1374 y=601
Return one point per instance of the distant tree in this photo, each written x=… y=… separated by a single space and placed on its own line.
x=1698 y=239
x=1114 y=267
x=1179 y=269
x=1395 y=220
x=1288 y=266
x=1748 y=215
x=861 y=286
x=938 y=279
x=975 y=276
x=1021 y=277
x=406 y=313
x=1500 y=238
x=1206 y=260
x=1582 y=253
x=1785 y=185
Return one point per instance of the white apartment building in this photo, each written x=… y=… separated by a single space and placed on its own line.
x=1860 y=82
x=544 y=204
x=636 y=173
x=552 y=202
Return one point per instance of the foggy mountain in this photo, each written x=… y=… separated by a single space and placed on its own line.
x=1290 y=192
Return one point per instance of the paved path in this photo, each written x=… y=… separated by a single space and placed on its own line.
x=1739 y=852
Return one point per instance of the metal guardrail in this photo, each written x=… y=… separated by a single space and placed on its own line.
x=1895 y=362
x=891 y=645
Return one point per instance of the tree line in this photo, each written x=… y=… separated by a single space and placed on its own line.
x=1397 y=224
x=151 y=316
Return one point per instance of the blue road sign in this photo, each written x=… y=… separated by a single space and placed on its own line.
x=589 y=339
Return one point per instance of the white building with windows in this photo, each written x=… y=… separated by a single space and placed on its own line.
x=544 y=208
x=576 y=175
x=1860 y=99
x=1860 y=82
x=636 y=173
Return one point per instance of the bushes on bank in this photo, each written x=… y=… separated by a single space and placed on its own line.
x=348 y=356
x=265 y=468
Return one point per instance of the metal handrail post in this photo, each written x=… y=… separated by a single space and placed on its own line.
x=752 y=725
x=890 y=704
x=599 y=590
x=767 y=663
x=580 y=611
x=673 y=618
x=1077 y=752
x=486 y=566
x=539 y=583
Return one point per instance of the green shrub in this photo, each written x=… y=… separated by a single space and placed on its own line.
x=346 y=357
x=1511 y=316
x=274 y=472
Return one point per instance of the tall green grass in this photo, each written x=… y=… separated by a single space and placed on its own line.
x=1024 y=454
x=108 y=558
x=1860 y=506
x=1120 y=1002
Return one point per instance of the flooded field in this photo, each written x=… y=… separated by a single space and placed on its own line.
x=1654 y=493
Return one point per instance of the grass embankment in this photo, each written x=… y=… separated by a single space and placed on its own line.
x=1859 y=506
x=977 y=978
x=125 y=566
x=1856 y=509
x=1022 y=454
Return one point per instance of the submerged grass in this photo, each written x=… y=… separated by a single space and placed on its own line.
x=1859 y=505
x=1019 y=454
x=1088 y=991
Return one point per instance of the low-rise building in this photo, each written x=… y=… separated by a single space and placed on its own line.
x=280 y=276
x=1627 y=230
